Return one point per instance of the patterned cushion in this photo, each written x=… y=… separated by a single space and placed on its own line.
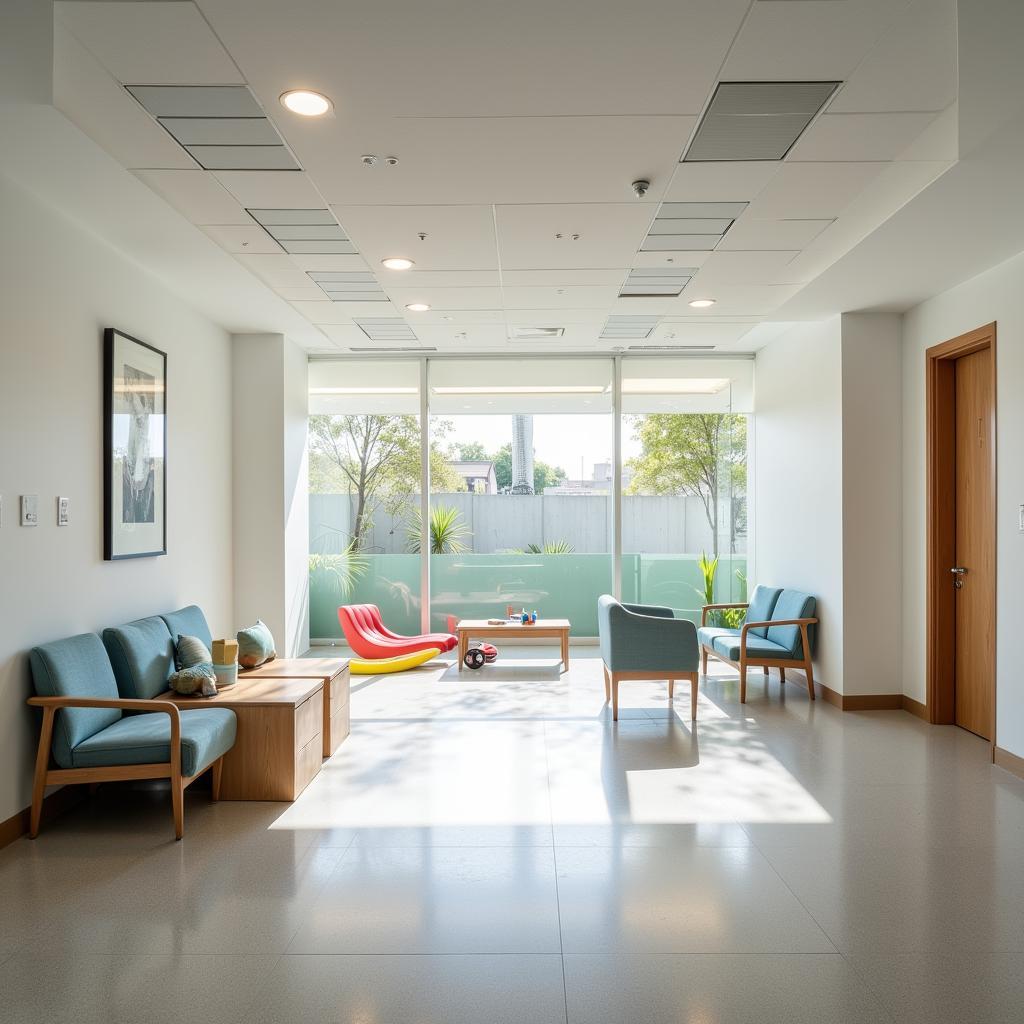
x=190 y=651
x=255 y=645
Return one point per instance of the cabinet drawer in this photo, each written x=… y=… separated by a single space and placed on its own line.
x=309 y=719
x=339 y=691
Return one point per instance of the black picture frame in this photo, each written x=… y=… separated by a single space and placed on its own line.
x=134 y=499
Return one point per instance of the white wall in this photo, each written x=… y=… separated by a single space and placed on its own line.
x=872 y=502
x=997 y=295
x=798 y=477
x=59 y=287
x=271 y=488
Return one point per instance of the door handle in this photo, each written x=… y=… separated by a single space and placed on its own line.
x=959 y=572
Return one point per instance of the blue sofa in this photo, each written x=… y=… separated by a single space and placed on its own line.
x=779 y=632
x=101 y=722
x=641 y=641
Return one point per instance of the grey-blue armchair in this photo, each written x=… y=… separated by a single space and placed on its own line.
x=645 y=642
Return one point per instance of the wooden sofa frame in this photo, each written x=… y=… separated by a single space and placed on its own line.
x=758 y=661
x=47 y=776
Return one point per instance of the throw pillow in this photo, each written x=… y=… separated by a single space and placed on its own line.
x=195 y=679
x=255 y=645
x=190 y=651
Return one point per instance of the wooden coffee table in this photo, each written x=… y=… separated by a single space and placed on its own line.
x=480 y=628
x=334 y=672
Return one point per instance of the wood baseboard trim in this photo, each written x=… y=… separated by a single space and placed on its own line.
x=870 y=701
x=57 y=803
x=1011 y=762
x=915 y=707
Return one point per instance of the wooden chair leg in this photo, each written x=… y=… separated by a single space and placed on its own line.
x=215 y=774
x=693 y=695
x=782 y=673
x=615 y=697
x=765 y=667
x=743 y=682
x=809 y=672
x=607 y=685
x=704 y=660
x=39 y=782
x=671 y=689
x=178 y=802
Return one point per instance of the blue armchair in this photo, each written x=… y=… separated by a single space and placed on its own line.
x=95 y=735
x=645 y=642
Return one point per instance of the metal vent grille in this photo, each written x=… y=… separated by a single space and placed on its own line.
x=695 y=227
x=670 y=348
x=617 y=328
x=657 y=280
x=221 y=127
x=756 y=120
x=537 y=332
x=304 y=231
x=386 y=328
x=393 y=348
x=348 y=286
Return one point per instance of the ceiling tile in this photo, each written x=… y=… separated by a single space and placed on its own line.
x=678 y=258
x=571 y=297
x=303 y=293
x=276 y=269
x=243 y=158
x=748 y=233
x=537 y=317
x=446 y=299
x=815 y=190
x=238 y=239
x=562 y=278
x=457 y=237
x=197 y=194
x=860 y=136
x=609 y=235
x=344 y=334
x=438 y=278
x=222 y=131
x=719 y=182
x=328 y=261
x=745 y=268
x=270 y=189
x=150 y=42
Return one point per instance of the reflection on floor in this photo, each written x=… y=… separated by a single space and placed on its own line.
x=489 y=847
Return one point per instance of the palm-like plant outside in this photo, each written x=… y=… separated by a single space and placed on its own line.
x=447 y=531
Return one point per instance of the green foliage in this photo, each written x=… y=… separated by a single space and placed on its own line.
x=447 y=531
x=339 y=572
x=544 y=475
x=708 y=567
x=700 y=454
x=377 y=459
x=470 y=451
x=553 y=547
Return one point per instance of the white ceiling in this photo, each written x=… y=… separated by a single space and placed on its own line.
x=516 y=123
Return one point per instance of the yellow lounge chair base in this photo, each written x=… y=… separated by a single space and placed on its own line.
x=377 y=666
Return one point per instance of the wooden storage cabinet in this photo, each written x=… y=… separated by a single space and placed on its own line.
x=278 y=746
x=334 y=674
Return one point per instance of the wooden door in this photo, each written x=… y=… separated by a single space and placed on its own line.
x=975 y=543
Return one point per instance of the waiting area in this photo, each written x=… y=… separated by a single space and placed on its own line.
x=511 y=513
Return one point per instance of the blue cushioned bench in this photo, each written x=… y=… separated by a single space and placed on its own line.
x=779 y=632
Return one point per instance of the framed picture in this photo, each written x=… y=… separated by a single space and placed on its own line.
x=134 y=448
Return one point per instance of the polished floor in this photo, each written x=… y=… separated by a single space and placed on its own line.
x=489 y=847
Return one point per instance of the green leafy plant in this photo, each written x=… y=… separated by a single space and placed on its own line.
x=708 y=567
x=338 y=572
x=447 y=531
x=553 y=547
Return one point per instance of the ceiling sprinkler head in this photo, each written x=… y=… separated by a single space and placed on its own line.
x=640 y=187
x=391 y=160
x=368 y=159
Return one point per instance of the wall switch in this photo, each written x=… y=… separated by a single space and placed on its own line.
x=1 y=511
x=30 y=510
x=1020 y=520
x=63 y=511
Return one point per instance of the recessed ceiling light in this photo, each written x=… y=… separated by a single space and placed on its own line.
x=417 y=307
x=397 y=263
x=306 y=103
x=702 y=303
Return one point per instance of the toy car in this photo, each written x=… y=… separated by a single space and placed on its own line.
x=479 y=655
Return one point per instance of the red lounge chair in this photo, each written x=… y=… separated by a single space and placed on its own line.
x=368 y=637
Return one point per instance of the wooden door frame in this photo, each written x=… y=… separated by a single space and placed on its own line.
x=940 y=363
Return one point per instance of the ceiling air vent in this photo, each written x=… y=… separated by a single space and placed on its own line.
x=657 y=280
x=756 y=120
x=386 y=328
x=221 y=127
x=618 y=328
x=671 y=348
x=348 y=285
x=393 y=348
x=535 y=333
x=697 y=227
x=304 y=231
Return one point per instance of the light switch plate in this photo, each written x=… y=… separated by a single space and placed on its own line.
x=63 y=511
x=1020 y=521
x=30 y=510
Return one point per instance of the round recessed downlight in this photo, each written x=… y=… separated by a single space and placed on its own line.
x=417 y=307
x=702 y=303
x=397 y=263
x=306 y=103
